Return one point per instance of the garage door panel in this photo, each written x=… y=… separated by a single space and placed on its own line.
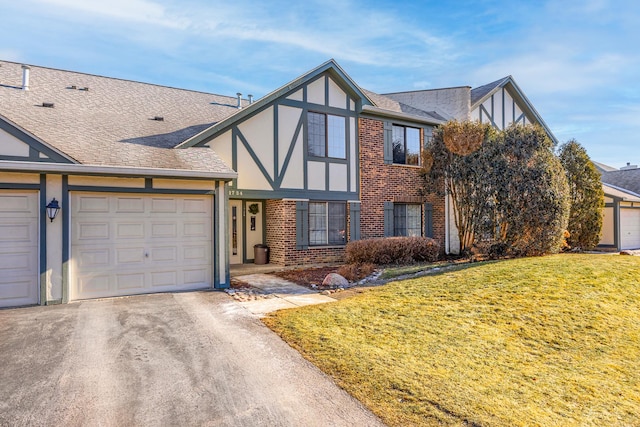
x=88 y=258
x=164 y=230
x=129 y=205
x=129 y=230
x=91 y=231
x=146 y=244
x=19 y=276
x=630 y=228
x=126 y=256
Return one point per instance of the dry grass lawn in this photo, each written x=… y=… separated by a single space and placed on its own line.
x=538 y=341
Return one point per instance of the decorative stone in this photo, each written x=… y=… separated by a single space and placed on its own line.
x=334 y=280
x=327 y=292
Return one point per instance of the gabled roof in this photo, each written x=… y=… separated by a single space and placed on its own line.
x=620 y=193
x=104 y=121
x=603 y=168
x=627 y=179
x=482 y=93
x=330 y=66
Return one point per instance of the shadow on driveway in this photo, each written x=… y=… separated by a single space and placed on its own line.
x=195 y=358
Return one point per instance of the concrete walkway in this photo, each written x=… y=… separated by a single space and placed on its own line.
x=278 y=294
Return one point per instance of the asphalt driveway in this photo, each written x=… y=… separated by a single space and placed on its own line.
x=195 y=358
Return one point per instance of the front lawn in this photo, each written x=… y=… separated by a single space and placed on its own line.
x=537 y=341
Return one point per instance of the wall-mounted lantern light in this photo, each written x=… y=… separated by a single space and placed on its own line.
x=52 y=209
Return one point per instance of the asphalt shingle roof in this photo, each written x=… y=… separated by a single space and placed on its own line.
x=112 y=123
x=481 y=91
x=628 y=179
x=390 y=104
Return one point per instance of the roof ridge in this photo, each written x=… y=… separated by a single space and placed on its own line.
x=116 y=78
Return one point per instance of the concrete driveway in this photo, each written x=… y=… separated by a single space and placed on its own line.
x=195 y=358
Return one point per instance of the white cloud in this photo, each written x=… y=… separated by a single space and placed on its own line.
x=126 y=10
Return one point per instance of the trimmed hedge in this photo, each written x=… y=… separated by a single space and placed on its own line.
x=392 y=250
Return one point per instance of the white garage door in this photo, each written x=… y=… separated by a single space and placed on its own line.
x=18 y=248
x=125 y=244
x=629 y=228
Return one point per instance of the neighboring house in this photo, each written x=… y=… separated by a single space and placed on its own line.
x=162 y=189
x=621 y=222
x=500 y=103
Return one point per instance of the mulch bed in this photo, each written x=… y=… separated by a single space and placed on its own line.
x=307 y=276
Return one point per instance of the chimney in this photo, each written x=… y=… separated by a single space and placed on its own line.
x=629 y=166
x=250 y=99
x=239 y=99
x=25 y=77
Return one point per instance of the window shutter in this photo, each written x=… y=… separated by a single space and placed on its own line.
x=354 y=221
x=388 y=219
x=428 y=133
x=302 y=225
x=428 y=220
x=388 y=143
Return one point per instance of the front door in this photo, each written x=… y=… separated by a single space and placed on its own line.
x=245 y=229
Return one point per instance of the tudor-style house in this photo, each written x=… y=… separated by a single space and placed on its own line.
x=163 y=189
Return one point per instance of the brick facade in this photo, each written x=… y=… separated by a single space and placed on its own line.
x=281 y=238
x=380 y=182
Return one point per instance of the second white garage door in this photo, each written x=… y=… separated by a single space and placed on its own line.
x=125 y=244
x=629 y=228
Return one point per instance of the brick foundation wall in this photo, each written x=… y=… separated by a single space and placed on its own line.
x=380 y=182
x=281 y=238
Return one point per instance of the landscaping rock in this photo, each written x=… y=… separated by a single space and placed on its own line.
x=334 y=280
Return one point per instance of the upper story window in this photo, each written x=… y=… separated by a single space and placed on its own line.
x=406 y=145
x=326 y=135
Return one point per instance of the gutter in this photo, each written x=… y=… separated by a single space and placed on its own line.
x=377 y=111
x=79 y=169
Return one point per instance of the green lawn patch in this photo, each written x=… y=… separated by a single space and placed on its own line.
x=537 y=341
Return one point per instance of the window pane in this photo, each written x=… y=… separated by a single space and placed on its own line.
x=413 y=146
x=337 y=223
x=398 y=145
x=316 y=129
x=399 y=220
x=317 y=223
x=336 y=137
x=414 y=220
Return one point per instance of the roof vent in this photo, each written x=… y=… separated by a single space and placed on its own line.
x=25 y=77
x=72 y=87
x=158 y=118
x=239 y=99
x=86 y=89
x=250 y=99
x=629 y=166
x=47 y=104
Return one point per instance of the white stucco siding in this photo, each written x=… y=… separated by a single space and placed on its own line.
x=316 y=91
x=296 y=96
x=249 y=175
x=12 y=146
x=316 y=176
x=223 y=148
x=294 y=174
x=288 y=119
x=337 y=177
x=101 y=181
x=337 y=97
x=258 y=131
x=608 y=233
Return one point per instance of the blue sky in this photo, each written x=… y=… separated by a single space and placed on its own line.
x=578 y=62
